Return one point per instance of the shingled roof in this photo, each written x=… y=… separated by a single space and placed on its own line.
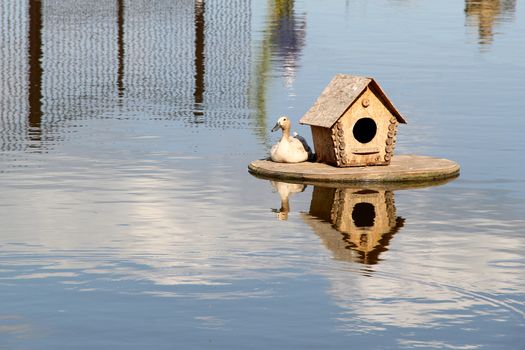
x=339 y=95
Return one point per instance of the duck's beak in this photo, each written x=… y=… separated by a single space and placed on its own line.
x=276 y=127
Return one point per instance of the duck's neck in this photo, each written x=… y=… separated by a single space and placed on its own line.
x=285 y=204
x=286 y=133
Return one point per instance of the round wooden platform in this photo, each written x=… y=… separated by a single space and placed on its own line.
x=402 y=169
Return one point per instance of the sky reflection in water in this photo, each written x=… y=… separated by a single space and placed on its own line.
x=129 y=220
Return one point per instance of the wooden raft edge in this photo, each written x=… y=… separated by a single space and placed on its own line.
x=395 y=176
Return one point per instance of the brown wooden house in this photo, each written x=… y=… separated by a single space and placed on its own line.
x=353 y=123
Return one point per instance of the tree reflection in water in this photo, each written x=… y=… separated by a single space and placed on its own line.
x=486 y=14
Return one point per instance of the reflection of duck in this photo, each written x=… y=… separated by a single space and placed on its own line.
x=356 y=224
x=285 y=190
x=289 y=149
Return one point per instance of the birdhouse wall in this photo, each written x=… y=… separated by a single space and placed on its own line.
x=352 y=126
x=324 y=145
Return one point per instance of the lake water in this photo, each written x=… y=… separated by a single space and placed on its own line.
x=128 y=219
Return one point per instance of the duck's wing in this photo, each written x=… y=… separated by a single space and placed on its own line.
x=303 y=141
x=274 y=153
x=311 y=155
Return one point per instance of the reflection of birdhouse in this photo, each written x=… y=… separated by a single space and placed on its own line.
x=353 y=123
x=366 y=218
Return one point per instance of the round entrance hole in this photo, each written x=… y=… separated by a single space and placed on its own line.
x=365 y=130
x=364 y=215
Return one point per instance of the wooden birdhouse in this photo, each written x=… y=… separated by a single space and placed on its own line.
x=353 y=123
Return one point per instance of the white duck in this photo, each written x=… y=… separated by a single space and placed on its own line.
x=289 y=149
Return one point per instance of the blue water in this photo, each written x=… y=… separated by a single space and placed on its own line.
x=128 y=219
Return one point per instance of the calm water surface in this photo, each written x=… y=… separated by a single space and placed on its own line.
x=128 y=219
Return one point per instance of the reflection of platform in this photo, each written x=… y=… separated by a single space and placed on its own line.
x=403 y=168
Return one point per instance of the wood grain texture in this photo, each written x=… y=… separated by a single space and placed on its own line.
x=344 y=102
x=402 y=168
x=339 y=95
x=363 y=154
x=335 y=99
x=324 y=145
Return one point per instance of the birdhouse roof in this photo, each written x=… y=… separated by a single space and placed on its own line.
x=339 y=95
